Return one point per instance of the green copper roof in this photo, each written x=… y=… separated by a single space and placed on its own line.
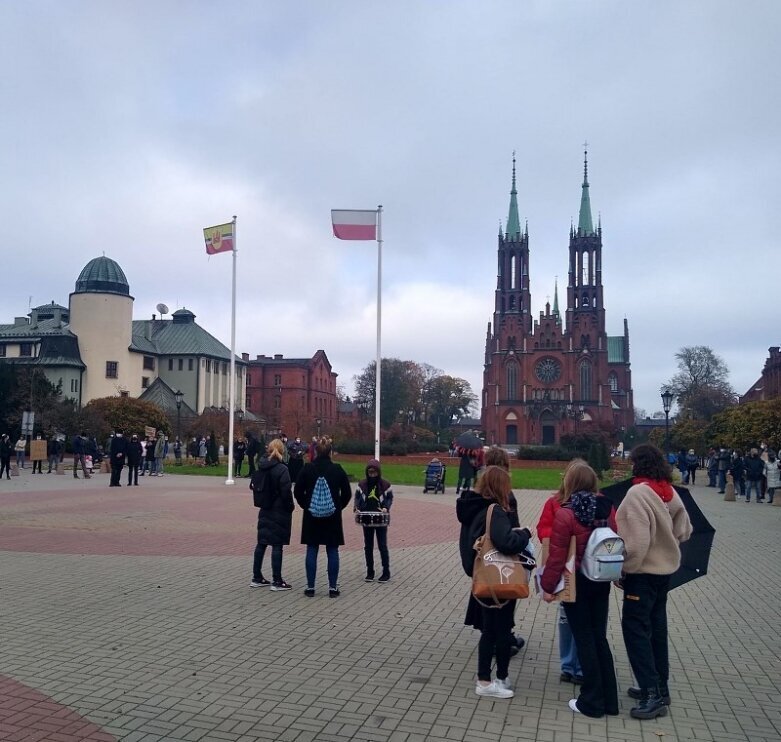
x=513 y=222
x=556 y=298
x=615 y=349
x=102 y=276
x=585 y=224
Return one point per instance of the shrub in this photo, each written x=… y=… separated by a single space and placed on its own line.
x=545 y=453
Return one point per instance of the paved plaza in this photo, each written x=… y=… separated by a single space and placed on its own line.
x=126 y=614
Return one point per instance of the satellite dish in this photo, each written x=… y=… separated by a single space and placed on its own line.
x=162 y=308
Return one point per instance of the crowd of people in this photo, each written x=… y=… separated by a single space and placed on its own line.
x=753 y=471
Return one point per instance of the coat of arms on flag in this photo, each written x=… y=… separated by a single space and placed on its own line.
x=219 y=238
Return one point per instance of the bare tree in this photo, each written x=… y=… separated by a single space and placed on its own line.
x=701 y=385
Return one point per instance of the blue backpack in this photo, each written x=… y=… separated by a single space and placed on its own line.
x=322 y=503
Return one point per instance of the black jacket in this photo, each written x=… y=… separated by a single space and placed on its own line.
x=755 y=468
x=134 y=453
x=118 y=450
x=5 y=449
x=325 y=531
x=471 y=510
x=275 y=517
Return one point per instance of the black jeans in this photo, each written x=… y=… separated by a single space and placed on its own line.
x=495 y=640
x=116 y=473
x=132 y=474
x=276 y=562
x=38 y=463
x=644 y=625
x=382 y=545
x=5 y=466
x=587 y=618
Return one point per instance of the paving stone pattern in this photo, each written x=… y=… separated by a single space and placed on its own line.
x=126 y=614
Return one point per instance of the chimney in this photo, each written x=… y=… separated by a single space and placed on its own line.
x=154 y=316
x=19 y=321
x=245 y=356
x=260 y=357
x=277 y=356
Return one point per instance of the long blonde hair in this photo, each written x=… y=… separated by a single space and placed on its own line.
x=578 y=477
x=276 y=450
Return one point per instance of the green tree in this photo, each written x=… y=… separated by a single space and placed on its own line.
x=701 y=385
x=127 y=414
x=690 y=433
x=27 y=388
x=401 y=385
x=748 y=425
x=447 y=398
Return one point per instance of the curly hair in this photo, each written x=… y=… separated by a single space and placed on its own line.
x=648 y=461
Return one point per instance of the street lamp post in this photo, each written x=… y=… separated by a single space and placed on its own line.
x=318 y=422
x=667 y=403
x=178 y=396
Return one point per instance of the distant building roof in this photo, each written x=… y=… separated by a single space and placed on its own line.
x=103 y=276
x=159 y=393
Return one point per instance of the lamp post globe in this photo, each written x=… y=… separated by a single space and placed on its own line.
x=667 y=403
x=178 y=397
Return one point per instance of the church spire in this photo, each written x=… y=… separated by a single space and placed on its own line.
x=556 y=299
x=513 y=222
x=585 y=224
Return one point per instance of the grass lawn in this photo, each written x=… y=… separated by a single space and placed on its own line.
x=411 y=474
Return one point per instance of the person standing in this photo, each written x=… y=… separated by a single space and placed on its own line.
x=79 y=445
x=53 y=453
x=323 y=531
x=19 y=448
x=583 y=510
x=239 y=450
x=466 y=470
x=118 y=457
x=135 y=455
x=313 y=448
x=178 y=452
x=374 y=494
x=493 y=488
x=713 y=467
x=37 y=462
x=149 y=456
x=773 y=475
x=295 y=461
x=159 y=454
x=653 y=522
x=722 y=469
x=692 y=464
x=5 y=456
x=738 y=471
x=251 y=450
x=202 y=451
x=755 y=468
x=272 y=490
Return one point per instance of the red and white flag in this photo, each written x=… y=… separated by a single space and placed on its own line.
x=358 y=224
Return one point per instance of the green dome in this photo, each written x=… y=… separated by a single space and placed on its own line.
x=102 y=276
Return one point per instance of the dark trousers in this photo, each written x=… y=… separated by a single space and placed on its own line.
x=5 y=466
x=237 y=467
x=644 y=625
x=78 y=460
x=132 y=474
x=251 y=464
x=38 y=464
x=587 y=618
x=382 y=545
x=276 y=562
x=495 y=640
x=116 y=473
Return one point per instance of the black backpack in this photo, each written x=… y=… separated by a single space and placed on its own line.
x=262 y=486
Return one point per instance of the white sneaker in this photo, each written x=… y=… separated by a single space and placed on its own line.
x=493 y=690
x=573 y=704
x=506 y=684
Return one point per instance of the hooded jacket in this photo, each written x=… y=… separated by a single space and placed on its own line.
x=275 y=517
x=323 y=531
x=471 y=511
x=373 y=493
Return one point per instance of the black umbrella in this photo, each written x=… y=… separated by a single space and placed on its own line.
x=695 y=552
x=468 y=440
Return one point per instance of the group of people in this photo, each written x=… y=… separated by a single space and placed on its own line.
x=53 y=446
x=293 y=454
x=322 y=490
x=757 y=471
x=652 y=521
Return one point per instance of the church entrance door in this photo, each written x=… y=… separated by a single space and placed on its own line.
x=511 y=434
x=548 y=423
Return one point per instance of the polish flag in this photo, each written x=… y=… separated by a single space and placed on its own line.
x=354 y=225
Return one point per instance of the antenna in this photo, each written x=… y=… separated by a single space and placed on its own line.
x=163 y=309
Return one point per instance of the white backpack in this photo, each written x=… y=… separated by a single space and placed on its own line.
x=603 y=559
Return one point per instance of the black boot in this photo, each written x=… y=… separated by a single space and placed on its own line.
x=637 y=693
x=651 y=705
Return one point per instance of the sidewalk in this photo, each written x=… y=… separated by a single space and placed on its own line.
x=127 y=615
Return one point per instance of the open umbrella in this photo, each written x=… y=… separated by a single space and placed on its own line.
x=695 y=552
x=468 y=440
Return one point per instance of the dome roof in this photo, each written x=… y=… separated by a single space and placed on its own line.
x=102 y=276
x=183 y=317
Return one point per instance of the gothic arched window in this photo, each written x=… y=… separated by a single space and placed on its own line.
x=512 y=380
x=512 y=272
x=585 y=381
x=613 y=381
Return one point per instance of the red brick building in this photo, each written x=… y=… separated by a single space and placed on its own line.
x=296 y=395
x=768 y=386
x=555 y=375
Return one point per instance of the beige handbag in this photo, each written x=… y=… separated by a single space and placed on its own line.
x=496 y=576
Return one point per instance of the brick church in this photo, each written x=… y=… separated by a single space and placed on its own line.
x=555 y=375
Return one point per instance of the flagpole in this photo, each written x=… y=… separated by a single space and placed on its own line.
x=378 y=382
x=232 y=381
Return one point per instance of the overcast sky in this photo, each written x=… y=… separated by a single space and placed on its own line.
x=126 y=127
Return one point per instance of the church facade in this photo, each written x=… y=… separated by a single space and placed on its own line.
x=555 y=375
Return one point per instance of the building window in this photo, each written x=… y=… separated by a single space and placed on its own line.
x=512 y=380
x=189 y=364
x=145 y=382
x=277 y=402
x=208 y=365
x=181 y=363
x=2 y=350
x=124 y=393
x=74 y=385
x=149 y=363
x=277 y=380
x=170 y=364
x=613 y=381
x=249 y=380
x=585 y=381
x=25 y=349
x=112 y=369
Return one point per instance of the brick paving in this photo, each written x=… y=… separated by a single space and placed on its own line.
x=126 y=614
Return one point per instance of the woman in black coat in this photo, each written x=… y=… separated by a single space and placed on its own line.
x=272 y=489
x=323 y=531
x=493 y=488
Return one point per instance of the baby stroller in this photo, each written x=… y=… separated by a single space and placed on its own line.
x=435 y=477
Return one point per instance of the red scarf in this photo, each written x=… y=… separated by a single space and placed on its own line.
x=662 y=488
